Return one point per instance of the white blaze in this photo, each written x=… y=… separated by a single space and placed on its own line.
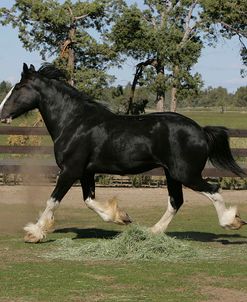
x=5 y=100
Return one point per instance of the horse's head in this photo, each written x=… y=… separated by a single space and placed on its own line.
x=21 y=98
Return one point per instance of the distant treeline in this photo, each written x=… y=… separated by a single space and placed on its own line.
x=117 y=98
x=145 y=97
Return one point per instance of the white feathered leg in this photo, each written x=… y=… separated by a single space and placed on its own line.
x=36 y=232
x=163 y=223
x=228 y=217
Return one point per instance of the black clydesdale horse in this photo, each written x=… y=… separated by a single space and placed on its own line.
x=89 y=139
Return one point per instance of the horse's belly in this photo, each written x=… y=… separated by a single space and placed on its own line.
x=121 y=168
x=124 y=154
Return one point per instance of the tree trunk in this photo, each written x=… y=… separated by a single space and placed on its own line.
x=160 y=103
x=160 y=98
x=138 y=74
x=133 y=88
x=173 y=105
x=71 y=55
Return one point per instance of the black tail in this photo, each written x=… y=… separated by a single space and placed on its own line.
x=219 y=150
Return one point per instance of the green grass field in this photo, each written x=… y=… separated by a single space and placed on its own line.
x=27 y=275
x=235 y=120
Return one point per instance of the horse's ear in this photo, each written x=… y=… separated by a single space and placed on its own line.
x=25 y=68
x=32 y=68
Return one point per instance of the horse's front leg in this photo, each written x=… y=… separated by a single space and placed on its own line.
x=36 y=232
x=108 y=210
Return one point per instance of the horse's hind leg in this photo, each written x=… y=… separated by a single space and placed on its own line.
x=109 y=210
x=36 y=232
x=228 y=217
x=175 y=201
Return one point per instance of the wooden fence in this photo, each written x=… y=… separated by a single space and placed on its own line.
x=27 y=163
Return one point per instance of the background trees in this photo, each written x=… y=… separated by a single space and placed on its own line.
x=67 y=32
x=227 y=19
x=162 y=36
x=165 y=37
x=240 y=97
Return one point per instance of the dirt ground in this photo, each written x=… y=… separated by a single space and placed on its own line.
x=127 y=197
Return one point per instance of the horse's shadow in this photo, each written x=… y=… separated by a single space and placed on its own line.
x=225 y=239
x=89 y=233
x=210 y=237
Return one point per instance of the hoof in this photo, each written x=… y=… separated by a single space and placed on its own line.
x=126 y=219
x=34 y=233
x=122 y=218
x=236 y=224
x=230 y=220
x=30 y=238
x=118 y=215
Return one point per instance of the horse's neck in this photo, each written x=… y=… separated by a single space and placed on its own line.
x=57 y=112
x=61 y=113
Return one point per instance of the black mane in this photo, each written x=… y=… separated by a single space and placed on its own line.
x=50 y=71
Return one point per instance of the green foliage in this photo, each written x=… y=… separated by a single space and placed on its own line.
x=131 y=34
x=93 y=81
x=172 y=33
x=161 y=34
x=117 y=97
x=87 y=37
x=4 y=89
x=43 y=24
x=67 y=31
x=240 y=97
x=230 y=183
x=231 y=16
x=216 y=97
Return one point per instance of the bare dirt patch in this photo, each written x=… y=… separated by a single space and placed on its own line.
x=128 y=197
x=217 y=294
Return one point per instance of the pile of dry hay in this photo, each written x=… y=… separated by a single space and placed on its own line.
x=135 y=243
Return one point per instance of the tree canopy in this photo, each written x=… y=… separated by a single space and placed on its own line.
x=67 y=32
x=169 y=36
x=165 y=37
